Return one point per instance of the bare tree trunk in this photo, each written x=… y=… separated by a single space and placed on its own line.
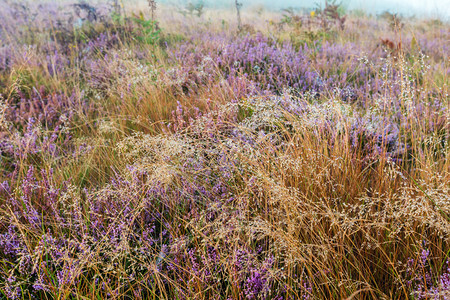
x=117 y=7
x=238 y=9
x=152 y=5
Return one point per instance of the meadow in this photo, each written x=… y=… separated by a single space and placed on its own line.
x=174 y=152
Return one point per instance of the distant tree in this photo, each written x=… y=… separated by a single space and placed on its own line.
x=116 y=6
x=152 y=5
x=238 y=10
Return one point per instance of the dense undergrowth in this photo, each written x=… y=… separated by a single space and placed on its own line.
x=290 y=160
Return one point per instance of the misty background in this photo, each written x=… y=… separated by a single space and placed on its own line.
x=439 y=9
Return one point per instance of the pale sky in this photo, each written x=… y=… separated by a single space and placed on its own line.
x=432 y=8
x=420 y=8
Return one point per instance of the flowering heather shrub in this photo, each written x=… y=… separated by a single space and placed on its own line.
x=5 y=58
x=123 y=68
x=274 y=67
x=426 y=284
x=32 y=147
x=220 y=166
x=256 y=58
x=51 y=110
x=128 y=220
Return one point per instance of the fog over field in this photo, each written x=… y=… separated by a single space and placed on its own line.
x=430 y=8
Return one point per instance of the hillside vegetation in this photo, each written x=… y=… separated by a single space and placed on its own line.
x=178 y=153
